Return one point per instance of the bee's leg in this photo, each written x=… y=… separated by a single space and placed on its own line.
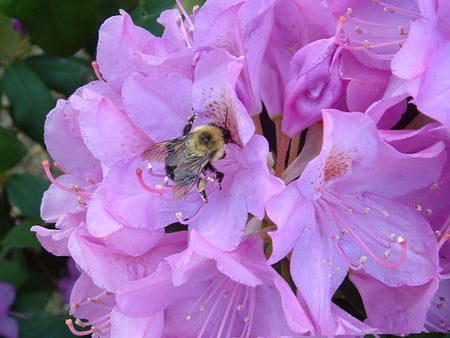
x=201 y=185
x=187 y=128
x=217 y=174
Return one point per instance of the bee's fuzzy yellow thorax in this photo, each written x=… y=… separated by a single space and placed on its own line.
x=208 y=140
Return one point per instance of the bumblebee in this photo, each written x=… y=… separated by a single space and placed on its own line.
x=188 y=157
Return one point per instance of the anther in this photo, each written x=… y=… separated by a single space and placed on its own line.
x=76 y=332
x=362 y=260
x=73 y=188
x=384 y=213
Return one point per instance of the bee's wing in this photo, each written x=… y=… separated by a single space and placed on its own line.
x=167 y=152
x=187 y=173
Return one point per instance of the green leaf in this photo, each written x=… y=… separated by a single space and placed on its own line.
x=20 y=9
x=148 y=11
x=13 y=273
x=62 y=27
x=11 y=150
x=5 y=218
x=49 y=327
x=8 y=39
x=64 y=75
x=19 y=237
x=25 y=192
x=30 y=99
x=39 y=322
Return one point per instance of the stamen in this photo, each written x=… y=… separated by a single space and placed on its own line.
x=76 y=332
x=186 y=15
x=186 y=221
x=157 y=190
x=324 y=209
x=72 y=188
x=445 y=234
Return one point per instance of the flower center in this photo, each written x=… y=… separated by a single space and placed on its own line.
x=350 y=219
x=233 y=304
x=378 y=29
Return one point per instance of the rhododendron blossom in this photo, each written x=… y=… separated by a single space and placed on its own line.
x=336 y=172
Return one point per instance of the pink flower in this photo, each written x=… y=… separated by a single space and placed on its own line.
x=349 y=199
x=423 y=60
x=335 y=205
x=247 y=186
x=374 y=31
x=204 y=291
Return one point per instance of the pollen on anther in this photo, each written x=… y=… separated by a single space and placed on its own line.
x=81 y=202
x=435 y=186
x=384 y=213
x=402 y=30
x=343 y=232
x=400 y=239
x=335 y=237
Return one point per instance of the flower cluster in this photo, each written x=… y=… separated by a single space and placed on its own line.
x=344 y=190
